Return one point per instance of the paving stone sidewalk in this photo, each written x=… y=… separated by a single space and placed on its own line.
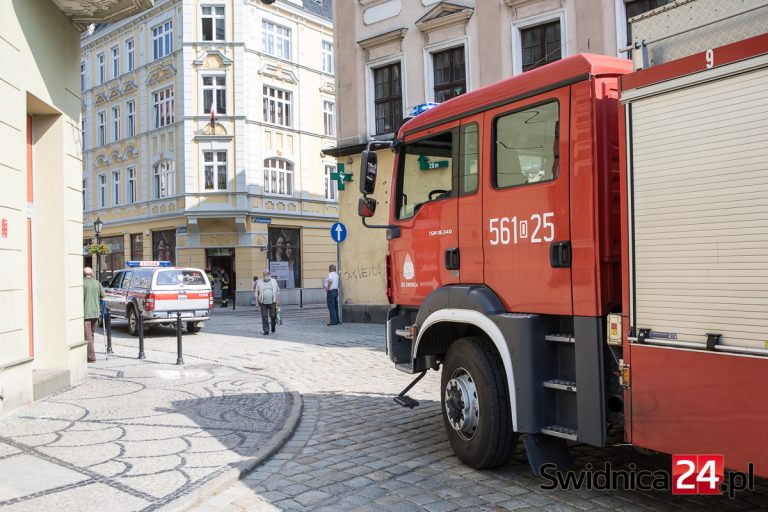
x=142 y=435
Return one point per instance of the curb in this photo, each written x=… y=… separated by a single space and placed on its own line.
x=221 y=482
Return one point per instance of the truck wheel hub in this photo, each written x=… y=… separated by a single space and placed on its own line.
x=461 y=405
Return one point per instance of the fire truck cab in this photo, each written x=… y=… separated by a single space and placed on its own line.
x=504 y=256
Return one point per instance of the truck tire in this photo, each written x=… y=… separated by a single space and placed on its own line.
x=133 y=321
x=194 y=327
x=475 y=404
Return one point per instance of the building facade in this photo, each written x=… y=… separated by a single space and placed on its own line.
x=396 y=54
x=41 y=296
x=204 y=124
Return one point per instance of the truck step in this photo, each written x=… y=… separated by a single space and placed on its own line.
x=406 y=401
x=405 y=333
x=560 y=384
x=562 y=432
x=405 y=367
x=560 y=338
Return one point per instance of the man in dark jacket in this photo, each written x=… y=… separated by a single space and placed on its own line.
x=92 y=295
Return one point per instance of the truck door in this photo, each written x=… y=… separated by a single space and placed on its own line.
x=526 y=204
x=470 y=215
x=426 y=254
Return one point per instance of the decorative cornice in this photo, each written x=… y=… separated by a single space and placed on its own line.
x=278 y=73
x=444 y=15
x=200 y=60
x=160 y=73
x=328 y=88
x=84 y=12
x=393 y=36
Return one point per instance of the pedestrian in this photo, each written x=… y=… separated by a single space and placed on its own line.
x=92 y=295
x=252 y=302
x=224 y=289
x=331 y=283
x=268 y=298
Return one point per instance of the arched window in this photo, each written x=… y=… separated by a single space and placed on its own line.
x=163 y=179
x=278 y=177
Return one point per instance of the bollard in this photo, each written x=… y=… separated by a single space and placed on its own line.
x=301 y=298
x=108 y=328
x=179 y=358
x=141 y=338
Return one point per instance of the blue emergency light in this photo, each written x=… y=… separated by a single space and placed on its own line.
x=149 y=264
x=420 y=109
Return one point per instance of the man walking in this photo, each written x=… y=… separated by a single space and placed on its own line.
x=268 y=298
x=331 y=283
x=92 y=295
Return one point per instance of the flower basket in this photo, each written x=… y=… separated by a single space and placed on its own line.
x=101 y=249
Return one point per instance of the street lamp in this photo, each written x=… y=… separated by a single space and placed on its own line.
x=97 y=225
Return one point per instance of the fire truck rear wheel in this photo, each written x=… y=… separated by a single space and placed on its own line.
x=133 y=321
x=475 y=404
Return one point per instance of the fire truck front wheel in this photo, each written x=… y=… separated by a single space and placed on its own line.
x=476 y=410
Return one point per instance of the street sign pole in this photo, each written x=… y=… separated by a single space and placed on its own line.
x=338 y=269
x=338 y=234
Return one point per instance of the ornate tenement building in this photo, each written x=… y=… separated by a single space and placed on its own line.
x=204 y=126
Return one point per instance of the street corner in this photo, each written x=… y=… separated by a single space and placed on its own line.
x=154 y=435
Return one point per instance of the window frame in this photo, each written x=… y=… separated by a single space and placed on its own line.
x=329 y=118
x=287 y=172
x=216 y=166
x=131 y=182
x=130 y=54
x=214 y=18
x=169 y=173
x=281 y=44
x=101 y=128
x=331 y=185
x=114 y=56
x=83 y=83
x=130 y=118
x=158 y=110
x=494 y=150
x=101 y=189
x=214 y=89
x=116 y=188
x=274 y=101
x=327 y=54
x=115 y=114
x=101 y=70
x=377 y=101
x=162 y=39
x=519 y=25
x=433 y=53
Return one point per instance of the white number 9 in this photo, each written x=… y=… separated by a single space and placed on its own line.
x=710 y=58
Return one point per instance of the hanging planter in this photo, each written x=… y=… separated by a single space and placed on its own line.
x=101 y=249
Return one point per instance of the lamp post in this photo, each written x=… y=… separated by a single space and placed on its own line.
x=97 y=225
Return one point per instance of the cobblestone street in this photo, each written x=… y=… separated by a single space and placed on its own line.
x=355 y=449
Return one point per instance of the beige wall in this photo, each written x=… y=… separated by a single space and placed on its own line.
x=39 y=49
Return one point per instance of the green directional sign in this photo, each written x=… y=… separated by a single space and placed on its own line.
x=426 y=165
x=340 y=176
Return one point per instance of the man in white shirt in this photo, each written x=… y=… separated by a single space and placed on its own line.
x=331 y=283
x=267 y=296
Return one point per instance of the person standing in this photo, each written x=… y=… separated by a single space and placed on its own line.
x=268 y=298
x=331 y=283
x=92 y=295
x=224 y=289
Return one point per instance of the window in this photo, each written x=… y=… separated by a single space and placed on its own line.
x=130 y=118
x=469 y=166
x=215 y=167
x=275 y=40
x=540 y=44
x=388 y=98
x=137 y=247
x=82 y=76
x=329 y=118
x=82 y=131
x=162 y=40
x=164 y=246
x=130 y=55
x=116 y=191
x=331 y=185
x=425 y=173
x=131 y=196
x=215 y=94
x=213 y=22
x=449 y=73
x=101 y=70
x=277 y=106
x=637 y=7
x=115 y=260
x=102 y=191
x=115 y=53
x=85 y=189
x=527 y=146
x=115 y=123
x=163 y=179
x=278 y=177
x=163 y=107
x=101 y=131
x=327 y=57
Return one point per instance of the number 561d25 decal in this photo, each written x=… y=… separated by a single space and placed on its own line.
x=539 y=228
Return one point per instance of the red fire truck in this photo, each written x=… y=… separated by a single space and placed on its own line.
x=583 y=247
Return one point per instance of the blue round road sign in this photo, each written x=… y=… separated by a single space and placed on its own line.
x=338 y=232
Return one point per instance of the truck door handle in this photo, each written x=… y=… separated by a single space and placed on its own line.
x=452 y=259
x=560 y=254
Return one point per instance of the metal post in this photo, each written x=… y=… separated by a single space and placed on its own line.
x=301 y=298
x=338 y=270
x=108 y=328
x=98 y=260
x=141 y=337
x=179 y=358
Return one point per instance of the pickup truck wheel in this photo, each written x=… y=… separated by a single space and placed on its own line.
x=194 y=327
x=475 y=404
x=133 y=321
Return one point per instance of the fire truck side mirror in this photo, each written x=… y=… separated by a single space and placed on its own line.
x=368 y=169
x=366 y=207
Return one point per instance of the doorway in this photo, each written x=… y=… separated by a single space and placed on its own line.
x=220 y=263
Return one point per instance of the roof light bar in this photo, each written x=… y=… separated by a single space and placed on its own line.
x=420 y=109
x=133 y=264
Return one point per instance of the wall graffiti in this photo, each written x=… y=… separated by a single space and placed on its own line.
x=361 y=273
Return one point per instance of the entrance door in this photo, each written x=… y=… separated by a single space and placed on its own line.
x=526 y=218
x=426 y=255
x=221 y=262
